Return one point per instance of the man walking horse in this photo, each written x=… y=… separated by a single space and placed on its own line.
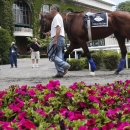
x=79 y=33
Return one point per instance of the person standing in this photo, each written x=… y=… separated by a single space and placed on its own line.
x=35 y=54
x=58 y=43
x=13 y=55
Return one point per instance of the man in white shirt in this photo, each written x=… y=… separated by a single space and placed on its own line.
x=58 y=43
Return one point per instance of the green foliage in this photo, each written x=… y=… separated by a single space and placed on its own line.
x=5 y=40
x=111 y=60
x=124 y=6
x=43 y=42
x=6 y=15
x=77 y=64
x=97 y=58
x=103 y=60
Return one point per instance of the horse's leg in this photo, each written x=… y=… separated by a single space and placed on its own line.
x=121 y=42
x=69 y=50
x=88 y=55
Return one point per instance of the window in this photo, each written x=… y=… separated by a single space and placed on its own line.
x=21 y=13
x=45 y=9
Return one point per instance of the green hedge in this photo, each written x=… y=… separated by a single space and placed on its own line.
x=107 y=59
x=5 y=41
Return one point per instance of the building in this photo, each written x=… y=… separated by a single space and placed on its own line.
x=22 y=22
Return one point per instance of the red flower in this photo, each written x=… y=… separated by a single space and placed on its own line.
x=82 y=104
x=91 y=122
x=31 y=92
x=53 y=84
x=109 y=101
x=93 y=111
x=91 y=92
x=128 y=91
x=2 y=93
x=93 y=98
x=69 y=94
x=41 y=112
x=82 y=128
x=49 y=95
x=1 y=114
x=22 y=115
x=27 y=124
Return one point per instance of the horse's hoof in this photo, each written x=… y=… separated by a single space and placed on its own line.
x=92 y=74
x=116 y=73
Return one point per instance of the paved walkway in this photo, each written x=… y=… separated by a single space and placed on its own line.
x=25 y=75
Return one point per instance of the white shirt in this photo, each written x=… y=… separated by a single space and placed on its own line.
x=57 y=21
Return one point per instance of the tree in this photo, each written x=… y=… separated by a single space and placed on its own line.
x=124 y=6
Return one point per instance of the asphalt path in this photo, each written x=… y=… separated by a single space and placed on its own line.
x=25 y=75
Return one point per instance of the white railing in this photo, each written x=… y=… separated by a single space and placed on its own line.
x=109 y=47
x=22 y=31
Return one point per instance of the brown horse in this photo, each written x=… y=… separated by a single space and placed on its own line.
x=118 y=23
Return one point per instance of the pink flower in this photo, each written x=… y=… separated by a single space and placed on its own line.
x=27 y=124
x=49 y=95
x=93 y=111
x=68 y=114
x=6 y=125
x=31 y=92
x=82 y=104
x=14 y=108
x=0 y=103
x=53 y=84
x=41 y=112
x=82 y=128
x=16 y=105
x=2 y=93
x=91 y=122
x=22 y=90
x=1 y=114
x=111 y=93
x=93 y=99
x=40 y=87
x=78 y=116
x=91 y=92
x=108 y=126
x=69 y=94
x=21 y=115
x=122 y=126
x=109 y=101
x=62 y=110
x=74 y=86
x=33 y=100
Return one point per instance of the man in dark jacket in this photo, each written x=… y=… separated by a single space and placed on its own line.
x=13 y=55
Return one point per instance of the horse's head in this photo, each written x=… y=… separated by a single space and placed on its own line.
x=45 y=24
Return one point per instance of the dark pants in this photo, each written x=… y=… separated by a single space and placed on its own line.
x=13 y=59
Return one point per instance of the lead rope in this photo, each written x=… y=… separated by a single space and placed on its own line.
x=53 y=54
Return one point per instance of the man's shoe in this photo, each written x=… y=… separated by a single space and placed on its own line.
x=66 y=69
x=57 y=76
x=37 y=66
